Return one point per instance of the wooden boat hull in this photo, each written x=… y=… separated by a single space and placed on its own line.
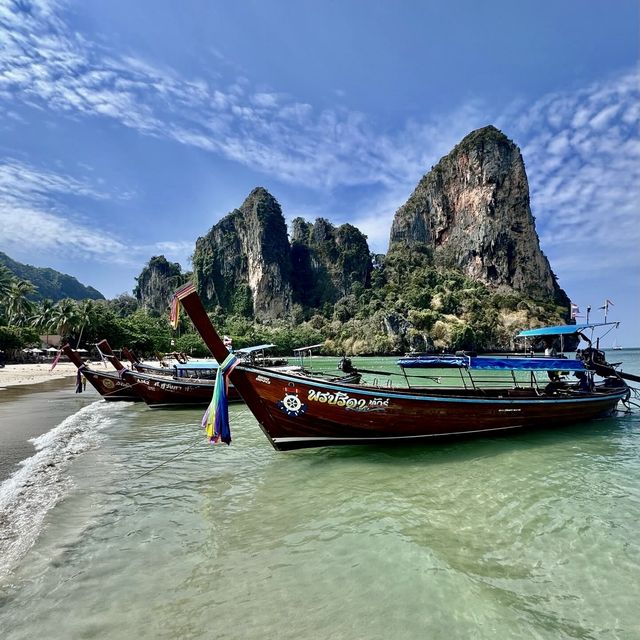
x=111 y=386
x=296 y=413
x=162 y=391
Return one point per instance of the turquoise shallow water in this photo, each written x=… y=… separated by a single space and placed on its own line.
x=528 y=536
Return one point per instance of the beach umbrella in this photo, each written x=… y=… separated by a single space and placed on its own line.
x=52 y=350
x=81 y=351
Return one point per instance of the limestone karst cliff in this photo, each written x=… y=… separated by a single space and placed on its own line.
x=246 y=265
x=464 y=267
x=243 y=264
x=327 y=261
x=472 y=210
x=156 y=283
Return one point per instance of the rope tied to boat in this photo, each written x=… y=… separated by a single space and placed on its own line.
x=628 y=402
x=216 y=417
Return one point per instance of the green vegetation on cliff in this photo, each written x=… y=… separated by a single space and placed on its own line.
x=464 y=271
x=410 y=304
x=156 y=283
x=49 y=283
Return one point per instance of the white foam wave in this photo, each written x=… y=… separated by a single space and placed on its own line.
x=27 y=496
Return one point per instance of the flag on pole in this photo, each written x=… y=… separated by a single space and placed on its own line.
x=607 y=303
x=182 y=292
x=575 y=310
x=216 y=418
x=55 y=360
x=174 y=315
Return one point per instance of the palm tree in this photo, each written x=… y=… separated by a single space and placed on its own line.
x=18 y=306
x=6 y=278
x=65 y=317
x=42 y=318
x=86 y=316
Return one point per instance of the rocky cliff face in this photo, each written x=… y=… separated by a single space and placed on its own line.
x=472 y=211
x=156 y=283
x=464 y=268
x=327 y=261
x=243 y=264
x=246 y=265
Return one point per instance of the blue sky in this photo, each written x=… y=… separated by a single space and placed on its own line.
x=128 y=128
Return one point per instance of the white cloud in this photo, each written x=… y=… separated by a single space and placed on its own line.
x=602 y=119
x=31 y=216
x=47 y=65
x=265 y=100
x=19 y=180
x=176 y=250
x=584 y=175
x=581 y=148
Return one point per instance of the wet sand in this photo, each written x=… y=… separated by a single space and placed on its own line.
x=29 y=410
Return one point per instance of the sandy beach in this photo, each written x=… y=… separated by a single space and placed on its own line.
x=13 y=375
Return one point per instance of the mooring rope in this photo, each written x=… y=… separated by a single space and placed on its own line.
x=628 y=403
x=173 y=457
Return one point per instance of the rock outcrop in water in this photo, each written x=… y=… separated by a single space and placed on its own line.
x=472 y=211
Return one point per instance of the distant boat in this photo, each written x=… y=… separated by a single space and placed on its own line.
x=173 y=386
x=615 y=346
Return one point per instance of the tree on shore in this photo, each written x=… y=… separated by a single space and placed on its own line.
x=6 y=279
x=18 y=306
x=85 y=316
x=65 y=317
x=42 y=317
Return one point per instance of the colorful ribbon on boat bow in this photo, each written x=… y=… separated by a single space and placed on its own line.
x=216 y=417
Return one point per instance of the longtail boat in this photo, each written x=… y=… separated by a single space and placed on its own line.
x=201 y=369
x=109 y=384
x=173 y=388
x=205 y=369
x=161 y=390
x=297 y=412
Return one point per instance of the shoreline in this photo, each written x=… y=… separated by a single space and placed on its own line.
x=14 y=375
x=28 y=411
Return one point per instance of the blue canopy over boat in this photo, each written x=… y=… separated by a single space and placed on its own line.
x=561 y=330
x=199 y=365
x=491 y=363
x=207 y=365
x=259 y=347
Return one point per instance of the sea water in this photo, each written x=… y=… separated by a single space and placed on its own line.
x=126 y=524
